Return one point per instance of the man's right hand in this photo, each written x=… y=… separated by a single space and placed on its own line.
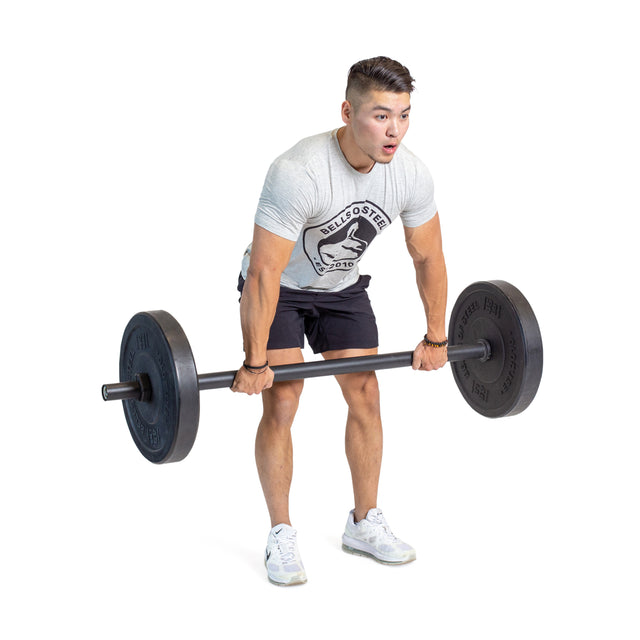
x=251 y=383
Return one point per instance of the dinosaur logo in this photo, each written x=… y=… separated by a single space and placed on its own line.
x=339 y=243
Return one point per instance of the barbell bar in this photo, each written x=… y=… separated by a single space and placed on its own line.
x=138 y=389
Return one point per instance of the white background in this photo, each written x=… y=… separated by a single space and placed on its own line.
x=134 y=140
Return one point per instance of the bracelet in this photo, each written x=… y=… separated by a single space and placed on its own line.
x=436 y=345
x=256 y=370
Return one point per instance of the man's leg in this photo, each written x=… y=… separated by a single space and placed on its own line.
x=367 y=531
x=274 y=449
x=363 y=435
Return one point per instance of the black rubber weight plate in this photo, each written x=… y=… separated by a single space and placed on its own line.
x=165 y=428
x=497 y=312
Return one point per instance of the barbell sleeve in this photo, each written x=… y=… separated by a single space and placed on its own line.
x=121 y=391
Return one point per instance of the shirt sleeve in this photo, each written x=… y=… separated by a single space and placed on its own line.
x=421 y=205
x=286 y=201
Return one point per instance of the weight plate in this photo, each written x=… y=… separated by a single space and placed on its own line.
x=497 y=312
x=164 y=428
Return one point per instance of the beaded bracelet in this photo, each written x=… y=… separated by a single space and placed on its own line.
x=437 y=345
x=256 y=370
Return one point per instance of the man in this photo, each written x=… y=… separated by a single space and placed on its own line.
x=323 y=202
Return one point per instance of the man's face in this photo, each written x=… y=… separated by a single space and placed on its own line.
x=379 y=123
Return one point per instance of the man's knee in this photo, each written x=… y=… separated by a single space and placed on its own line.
x=361 y=392
x=280 y=403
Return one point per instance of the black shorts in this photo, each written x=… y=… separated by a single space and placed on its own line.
x=330 y=320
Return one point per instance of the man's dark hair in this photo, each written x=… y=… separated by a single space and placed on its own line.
x=377 y=74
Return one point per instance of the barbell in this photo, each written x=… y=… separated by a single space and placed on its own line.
x=495 y=351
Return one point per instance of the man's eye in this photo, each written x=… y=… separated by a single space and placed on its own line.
x=381 y=116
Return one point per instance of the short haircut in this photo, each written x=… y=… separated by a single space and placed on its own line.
x=377 y=74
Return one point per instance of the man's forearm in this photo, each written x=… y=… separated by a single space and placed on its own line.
x=257 y=310
x=431 y=277
x=269 y=257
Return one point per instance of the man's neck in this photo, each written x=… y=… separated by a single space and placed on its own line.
x=352 y=153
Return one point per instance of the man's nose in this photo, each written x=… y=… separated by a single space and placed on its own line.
x=392 y=129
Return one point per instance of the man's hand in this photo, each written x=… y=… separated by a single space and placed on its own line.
x=250 y=383
x=427 y=358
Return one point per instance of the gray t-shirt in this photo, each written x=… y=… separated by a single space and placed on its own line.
x=315 y=198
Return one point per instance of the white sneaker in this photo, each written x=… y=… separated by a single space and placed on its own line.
x=282 y=558
x=372 y=537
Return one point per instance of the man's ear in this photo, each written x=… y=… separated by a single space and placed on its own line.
x=347 y=112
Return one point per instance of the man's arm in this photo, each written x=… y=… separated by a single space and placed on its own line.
x=425 y=247
x=269 y=257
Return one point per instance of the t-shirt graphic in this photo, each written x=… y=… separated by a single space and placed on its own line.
x=339 y=243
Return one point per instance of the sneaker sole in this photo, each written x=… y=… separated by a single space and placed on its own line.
x=367 y=554
x=293 y=583
x=297 y=583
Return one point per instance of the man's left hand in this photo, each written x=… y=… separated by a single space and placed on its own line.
x=427 y=358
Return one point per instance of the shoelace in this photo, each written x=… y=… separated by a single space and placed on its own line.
x=378 y=520
x=286 y=548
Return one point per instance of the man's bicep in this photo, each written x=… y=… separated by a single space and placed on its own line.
x=269 y=251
